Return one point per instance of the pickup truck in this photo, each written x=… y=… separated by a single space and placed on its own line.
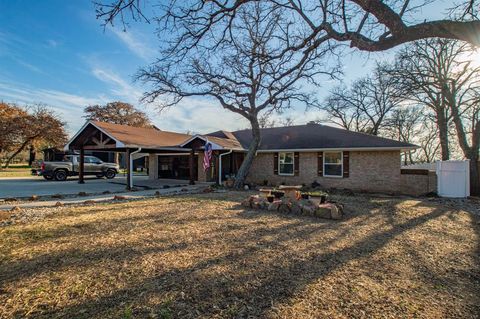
x=70 y=167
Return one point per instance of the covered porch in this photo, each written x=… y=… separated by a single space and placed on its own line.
x=133 y=142
x=171 y=156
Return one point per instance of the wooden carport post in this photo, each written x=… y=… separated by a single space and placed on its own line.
x=129 y=169
x=191 y=164
x=81 y=166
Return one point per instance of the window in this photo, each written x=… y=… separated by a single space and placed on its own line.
x=92 y=160
x=332 y=164
x=285 y=163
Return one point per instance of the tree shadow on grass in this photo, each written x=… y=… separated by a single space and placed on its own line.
x=260 y=267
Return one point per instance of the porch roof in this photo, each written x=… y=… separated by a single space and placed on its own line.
x=107 y=136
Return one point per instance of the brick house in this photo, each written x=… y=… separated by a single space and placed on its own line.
x=299 y=154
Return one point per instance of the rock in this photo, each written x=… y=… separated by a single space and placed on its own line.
x=284 y=208
x=207 y=190
x=274 y=206
x=246 y=187
x=157 y=193
x=58 y=204
x=184 y=190
x=83 y=194
x=336 y=211
x=89 y=202
x=34 y=197
x=15 y=209
x=11 y=199
x=323 y=211
x=248 y=202
x=295 y=208
x=309 y=210
x=263 y=204
x=106 y=192
x=57 y=196
x=119 y=197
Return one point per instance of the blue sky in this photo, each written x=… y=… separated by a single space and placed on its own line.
x=56 y=52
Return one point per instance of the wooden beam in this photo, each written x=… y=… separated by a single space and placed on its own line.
x=129 y=169
x=81 y=166
x=192 y=171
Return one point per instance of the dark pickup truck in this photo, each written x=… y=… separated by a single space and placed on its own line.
x=70 y=166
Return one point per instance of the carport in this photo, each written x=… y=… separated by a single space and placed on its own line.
x=134 y=142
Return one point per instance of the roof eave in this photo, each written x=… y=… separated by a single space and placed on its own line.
x=402 y=148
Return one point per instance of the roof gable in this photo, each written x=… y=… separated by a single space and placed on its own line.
x=141 y=136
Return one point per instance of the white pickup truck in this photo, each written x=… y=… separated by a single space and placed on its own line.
x=70 y=167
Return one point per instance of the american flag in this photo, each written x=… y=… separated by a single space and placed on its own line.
x=207 y=156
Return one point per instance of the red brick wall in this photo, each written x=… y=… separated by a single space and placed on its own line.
x=375 y=171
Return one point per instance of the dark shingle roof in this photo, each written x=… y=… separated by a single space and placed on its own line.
x=314 y=136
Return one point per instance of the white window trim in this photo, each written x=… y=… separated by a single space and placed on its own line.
x=341 y=163
x=293 y=163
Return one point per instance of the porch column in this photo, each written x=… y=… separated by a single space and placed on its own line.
x=81 y=166
x=216 y=158
x=129 y=168
x=191 y=166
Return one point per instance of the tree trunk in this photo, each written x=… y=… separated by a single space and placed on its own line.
x=22 y=147
x=474 y=176
x=248 y=160
x=32 y=155
x=443 y=134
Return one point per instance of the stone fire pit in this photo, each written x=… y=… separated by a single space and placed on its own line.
x=292 y=205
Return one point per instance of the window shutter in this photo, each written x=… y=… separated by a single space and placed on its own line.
x=296 y=163
x=320 y=163
x=346 y=164
x=275 y=163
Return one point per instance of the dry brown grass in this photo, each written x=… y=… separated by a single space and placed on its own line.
x=204 y=256
x=15 y=172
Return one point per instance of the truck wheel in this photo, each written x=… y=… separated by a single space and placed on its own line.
x=110 y=173
x=48 y=177
x=60 y=175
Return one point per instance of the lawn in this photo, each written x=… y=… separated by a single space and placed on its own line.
x=204 y=256
x=14 y=170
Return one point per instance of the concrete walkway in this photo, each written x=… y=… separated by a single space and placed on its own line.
x=103 y=198
x=35 y=185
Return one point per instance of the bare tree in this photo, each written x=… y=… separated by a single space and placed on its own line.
x=250 y=75
x=365 y=106
x=462 y=93
x=266 y=121
x=369 y=25
x=428 y=141
x=422 y=68
x=439 y=74
x=404 y=125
